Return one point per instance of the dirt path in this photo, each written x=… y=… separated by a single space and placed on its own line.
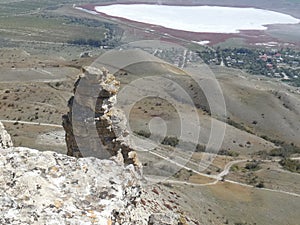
x=218 y=177
x=32 y=123
x=227 y=168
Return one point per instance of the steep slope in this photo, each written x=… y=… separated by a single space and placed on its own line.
x=135 y=67
x=266 y=107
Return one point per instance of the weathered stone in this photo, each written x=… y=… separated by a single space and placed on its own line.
x=5 y=139
x=55 y=189
x=163 y=219
x=94 y=126
x=50 y=188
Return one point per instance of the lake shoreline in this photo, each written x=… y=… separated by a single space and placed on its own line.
x=251 y=37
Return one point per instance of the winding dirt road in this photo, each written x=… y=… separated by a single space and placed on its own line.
x=218 y=177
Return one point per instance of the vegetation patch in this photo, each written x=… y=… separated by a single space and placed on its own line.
x=285 y=150
x=228 y=153
x=143 y=133
x=171 y=141
x=202 y=148
x=290 y=165
x=253 y=166
x=253 y=180
x=239 y=126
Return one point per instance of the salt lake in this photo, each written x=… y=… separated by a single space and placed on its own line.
x=208 y=19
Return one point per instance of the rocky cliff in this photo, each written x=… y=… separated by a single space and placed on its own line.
x=94 y=126
x=49 y=188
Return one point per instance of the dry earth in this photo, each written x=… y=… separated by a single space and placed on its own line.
x=35 y=87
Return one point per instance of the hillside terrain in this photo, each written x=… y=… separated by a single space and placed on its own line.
x=220 y=146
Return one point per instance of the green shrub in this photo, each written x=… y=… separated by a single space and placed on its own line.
x=277 y=152
x=229 y=153
x=239 y=126
x=260 y=185
x=143 y=133
x=291 y=165
x=172 y=141
x=234 y=168
x=286 y=150
x=200 y=148
x=252 y=166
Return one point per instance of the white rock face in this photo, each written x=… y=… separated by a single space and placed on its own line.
x=49 y=188
x=5 y=139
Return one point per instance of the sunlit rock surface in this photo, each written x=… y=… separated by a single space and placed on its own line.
x=49 y=188
x=5 y=139
x=93 y=125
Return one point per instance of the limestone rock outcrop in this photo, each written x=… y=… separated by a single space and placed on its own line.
x=94 y=126
x=5 y=139
x=102 y=185
x=49 y=188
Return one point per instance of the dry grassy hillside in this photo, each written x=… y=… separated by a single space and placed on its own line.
x=268 y=108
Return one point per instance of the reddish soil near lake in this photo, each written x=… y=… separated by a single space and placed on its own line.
x=250 y=37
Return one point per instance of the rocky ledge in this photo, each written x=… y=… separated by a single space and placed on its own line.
x=49 y=188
